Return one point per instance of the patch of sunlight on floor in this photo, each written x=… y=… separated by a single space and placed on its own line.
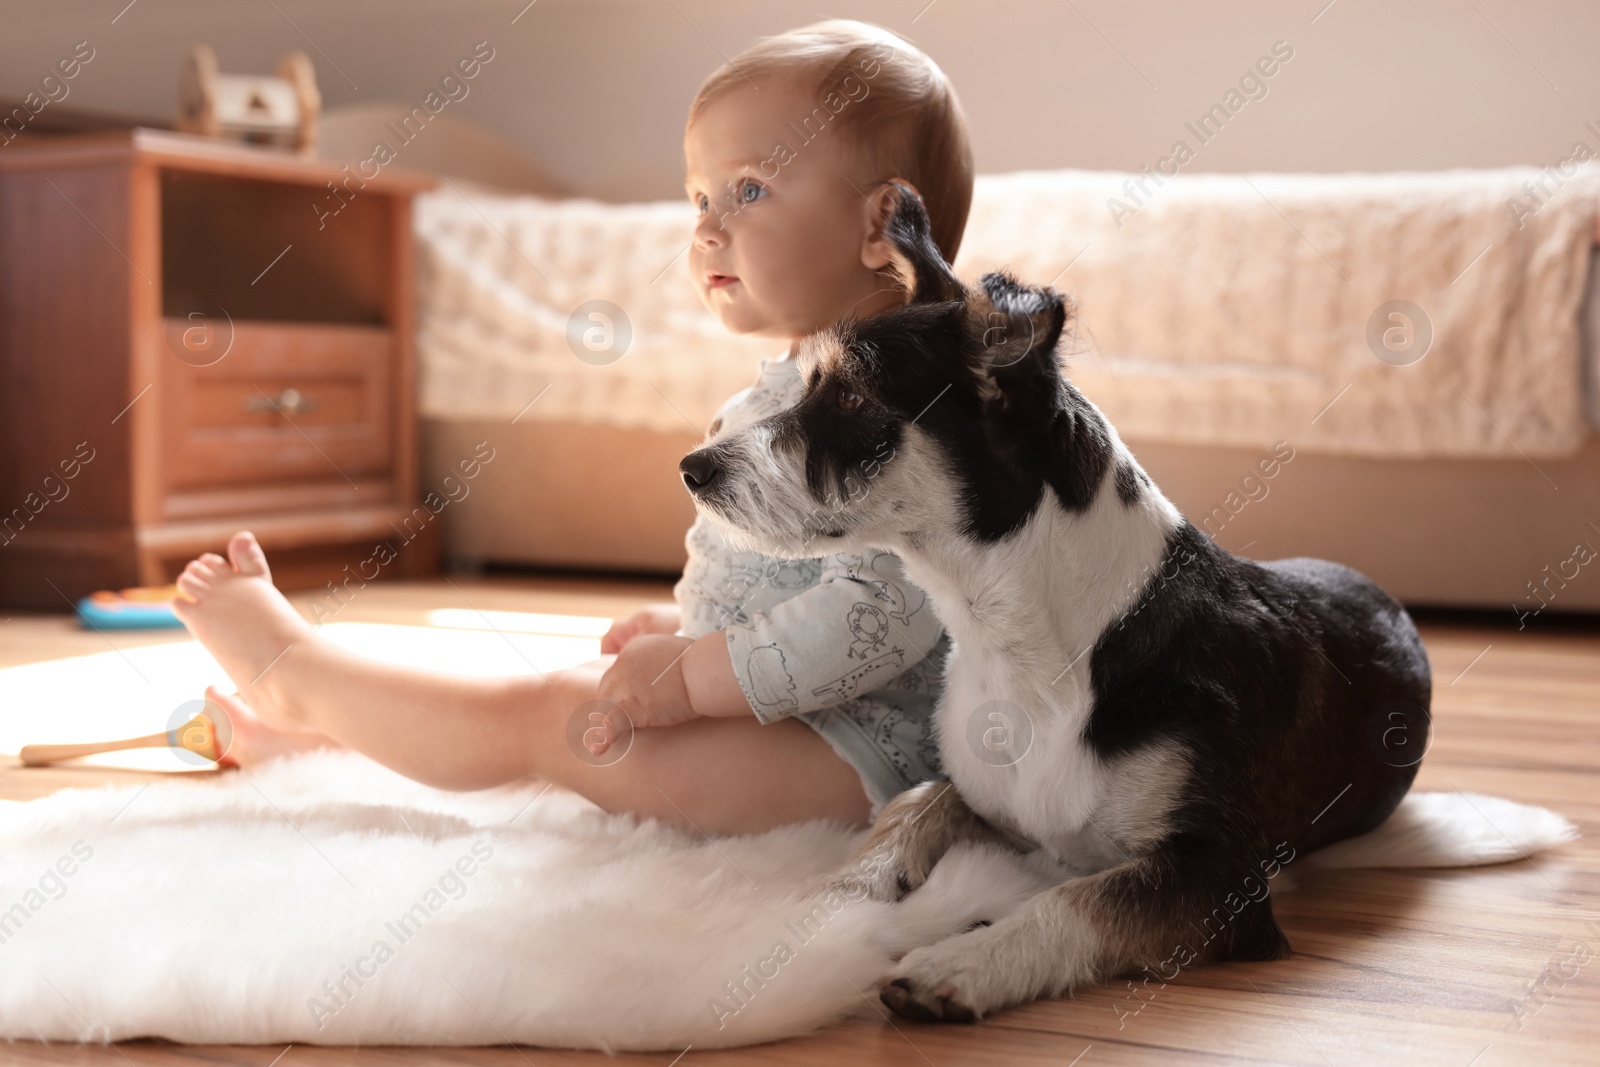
x=522 y=622
x=129 y=693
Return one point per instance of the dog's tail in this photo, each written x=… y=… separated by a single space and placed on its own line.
x=1450 y=830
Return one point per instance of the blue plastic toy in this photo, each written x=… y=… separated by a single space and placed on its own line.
x=130 y=609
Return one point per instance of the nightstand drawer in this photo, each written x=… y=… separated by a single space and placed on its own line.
x=282 y=402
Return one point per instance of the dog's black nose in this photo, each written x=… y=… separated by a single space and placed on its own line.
x=700 y=469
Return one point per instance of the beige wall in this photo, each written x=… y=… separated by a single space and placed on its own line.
x=596 y=90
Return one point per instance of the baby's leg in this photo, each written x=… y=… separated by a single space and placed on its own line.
x=252 y=741
x=447 y=730
x=722 y=775
x=715 y=775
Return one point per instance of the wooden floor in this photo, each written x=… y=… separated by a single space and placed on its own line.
x=1475 y=968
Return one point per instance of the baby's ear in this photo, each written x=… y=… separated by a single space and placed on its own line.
x=1019 y=326
x=913 y=255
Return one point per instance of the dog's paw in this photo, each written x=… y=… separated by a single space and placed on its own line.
x=953 y=981
x=883 y=884
x=942 y=1004
x=882 y=876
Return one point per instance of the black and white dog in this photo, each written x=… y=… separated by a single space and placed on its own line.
x=1172 y=721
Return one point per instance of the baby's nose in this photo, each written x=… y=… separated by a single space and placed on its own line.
x=710 y=232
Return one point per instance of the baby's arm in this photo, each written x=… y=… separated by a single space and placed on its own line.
x=651 y=619
x=860 y=627
x=665 y=679
x=709 y=679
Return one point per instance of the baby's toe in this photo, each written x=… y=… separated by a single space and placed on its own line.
x=191 y=585
x=212 y=560
x=199 y=572
x=204 y=569
x=245 y=551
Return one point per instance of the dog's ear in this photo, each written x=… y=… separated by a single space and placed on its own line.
x=914 y=256
x=1019 y=327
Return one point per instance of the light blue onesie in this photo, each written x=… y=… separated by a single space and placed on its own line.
x=846 y=642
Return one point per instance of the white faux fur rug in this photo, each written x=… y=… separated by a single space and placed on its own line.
x=323 y=899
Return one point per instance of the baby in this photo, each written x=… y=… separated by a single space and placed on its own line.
x=773 y=691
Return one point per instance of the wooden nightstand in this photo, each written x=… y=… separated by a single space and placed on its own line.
x=198 y=338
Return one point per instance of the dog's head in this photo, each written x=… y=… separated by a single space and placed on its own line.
x=943 y=414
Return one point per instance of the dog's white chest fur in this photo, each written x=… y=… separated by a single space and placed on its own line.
x=1024 y=616
x=1013 y=747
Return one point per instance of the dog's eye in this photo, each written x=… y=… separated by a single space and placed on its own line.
x=849 y=400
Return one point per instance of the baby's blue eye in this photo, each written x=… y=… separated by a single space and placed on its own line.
x=745 y=189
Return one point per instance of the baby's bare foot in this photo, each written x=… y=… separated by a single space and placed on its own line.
x=234 y=610
x=251 y=741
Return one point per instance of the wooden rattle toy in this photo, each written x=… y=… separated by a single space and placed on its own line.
x=256 y=109
x=203 y=735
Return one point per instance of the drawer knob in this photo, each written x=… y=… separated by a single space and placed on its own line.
x=290 y=402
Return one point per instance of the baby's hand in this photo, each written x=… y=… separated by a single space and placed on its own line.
x=655 y=619
x=646 y=683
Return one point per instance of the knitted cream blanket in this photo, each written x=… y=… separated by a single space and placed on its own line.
x=1366 y=314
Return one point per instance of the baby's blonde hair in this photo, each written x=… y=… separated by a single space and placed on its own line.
x=908 y=124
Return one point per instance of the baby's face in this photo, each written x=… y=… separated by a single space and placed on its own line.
x=783 y=244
